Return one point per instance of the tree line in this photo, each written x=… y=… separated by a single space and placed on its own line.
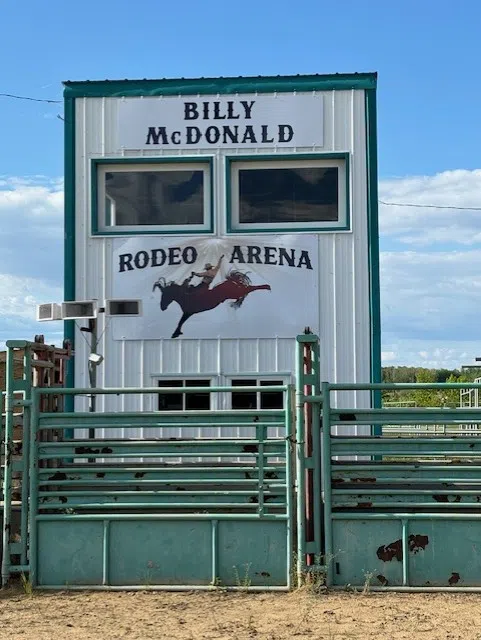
x=426 y=397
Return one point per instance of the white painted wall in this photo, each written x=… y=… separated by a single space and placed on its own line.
x=343 y=258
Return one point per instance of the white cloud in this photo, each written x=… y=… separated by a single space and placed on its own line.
x=430 y=296
x=388 y=356
x=31 y=220
x=21 y=295
x=31 y=254
x=429 y=226
x=432 y=354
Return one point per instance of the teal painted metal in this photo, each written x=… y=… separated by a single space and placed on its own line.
x=17 y=395
x=222 y=86
x=94 y=220
x=370 y=107
x=401 y=513
x=7 y=471
x=326 y=469
x=70 y=263
x=308 y=452
x=300 y=469
x=165 y=525
x=231 y=160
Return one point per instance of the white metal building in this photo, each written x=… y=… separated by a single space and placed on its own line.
x=276 y=174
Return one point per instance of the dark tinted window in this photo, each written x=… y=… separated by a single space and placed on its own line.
x=154 y=197
x=271 y=399
x=184 y=401
x=244 y=399
x=171 y=401
x=307 y=194
x=197 y=401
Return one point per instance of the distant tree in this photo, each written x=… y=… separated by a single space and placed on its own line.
x=425 y=397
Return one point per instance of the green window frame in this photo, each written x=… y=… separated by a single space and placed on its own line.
x=100 y=214
x=235 y=164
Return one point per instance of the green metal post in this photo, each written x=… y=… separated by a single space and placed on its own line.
x=316 y=446
x=214 y=550
x=300 y=466
x=7 y=471
x=326 y=470
x=34 y=483
x=260 y=469
x=27 y=372
x=289 y=488
x=405 y=548
x=105 y=553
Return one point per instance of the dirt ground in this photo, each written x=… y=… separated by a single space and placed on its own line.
x=195 y=616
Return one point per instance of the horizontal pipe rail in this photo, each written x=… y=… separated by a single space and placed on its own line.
x=157 y=390
x=160 y=516
x=160 y=505
x=406 y=515
x=178 y=481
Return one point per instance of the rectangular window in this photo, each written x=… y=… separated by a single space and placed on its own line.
x=241 y=400
x=288 y=194
x=155 y=197
x=184 y=401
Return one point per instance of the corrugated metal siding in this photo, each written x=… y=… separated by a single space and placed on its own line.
x=344 y=280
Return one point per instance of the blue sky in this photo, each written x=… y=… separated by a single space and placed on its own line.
x=426 y=53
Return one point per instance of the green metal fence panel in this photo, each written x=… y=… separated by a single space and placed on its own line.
x=401 y=511
x=15 y=467
x=97 y=523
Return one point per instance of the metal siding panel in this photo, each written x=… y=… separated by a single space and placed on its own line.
x=327 y=309
x=229 y=356
x=267 y=355
x=341 y=121
x=209 y=356
x=190 y=353
x=171 y=356
x=248 y=355
x=286 y=358
x=343 y=271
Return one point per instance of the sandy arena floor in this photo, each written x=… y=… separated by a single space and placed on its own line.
x=195 y=616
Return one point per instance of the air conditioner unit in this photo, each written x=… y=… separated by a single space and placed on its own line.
x=124 y=308
x=79 y=309
x=49 y=311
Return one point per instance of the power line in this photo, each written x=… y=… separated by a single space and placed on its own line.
x=428 y=206
x=11 y=95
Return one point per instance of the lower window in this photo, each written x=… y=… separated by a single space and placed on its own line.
x=242 y=400
x=184 y=401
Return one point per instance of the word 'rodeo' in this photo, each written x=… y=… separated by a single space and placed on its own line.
x=220 y=134
x=251 y=254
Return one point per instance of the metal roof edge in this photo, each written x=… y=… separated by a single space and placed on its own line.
x=221 y=85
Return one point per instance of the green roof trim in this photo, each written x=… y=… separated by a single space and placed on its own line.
x=206 y=86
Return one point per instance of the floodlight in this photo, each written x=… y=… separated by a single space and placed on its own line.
x=48 y=312
x=79 y=309
x=121 y=307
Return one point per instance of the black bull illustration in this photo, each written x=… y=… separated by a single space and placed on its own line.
x=197 y=299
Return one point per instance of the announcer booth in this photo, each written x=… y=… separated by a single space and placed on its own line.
x=233 y=213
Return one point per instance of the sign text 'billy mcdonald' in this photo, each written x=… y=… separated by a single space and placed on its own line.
x=244 y=121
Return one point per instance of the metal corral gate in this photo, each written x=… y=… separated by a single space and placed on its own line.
x=99 y=523
x=400 y=513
